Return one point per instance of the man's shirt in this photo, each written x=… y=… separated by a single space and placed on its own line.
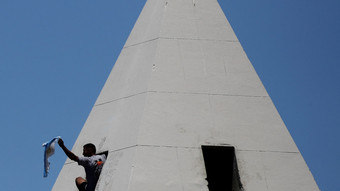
x=93 y=166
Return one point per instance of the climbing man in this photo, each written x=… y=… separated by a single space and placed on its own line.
x=92 y=163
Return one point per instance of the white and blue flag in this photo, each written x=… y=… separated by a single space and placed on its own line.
x=49 y=151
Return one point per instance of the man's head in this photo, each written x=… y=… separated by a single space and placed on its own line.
x=89 y=149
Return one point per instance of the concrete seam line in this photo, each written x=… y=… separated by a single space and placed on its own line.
x=200 y=39
x=214 y=94
x=141 y=42
x=125 y=97
x=109 y=152
x=124 y=148
x=169 y=146
x=168 y=92
x=178 y=38
x=183 y=147
x=268 y=151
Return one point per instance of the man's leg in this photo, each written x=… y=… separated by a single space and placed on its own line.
x=81 y=183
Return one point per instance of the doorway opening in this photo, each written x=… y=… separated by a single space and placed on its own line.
x=221 y=168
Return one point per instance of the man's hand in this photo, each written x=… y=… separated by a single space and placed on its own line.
x=61 y=142
x=67 y=152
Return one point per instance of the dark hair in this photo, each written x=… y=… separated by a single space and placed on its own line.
x=91 y=146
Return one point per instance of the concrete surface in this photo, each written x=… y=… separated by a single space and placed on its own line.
x=181 y=81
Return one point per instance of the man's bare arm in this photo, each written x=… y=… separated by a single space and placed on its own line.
x=68 y=153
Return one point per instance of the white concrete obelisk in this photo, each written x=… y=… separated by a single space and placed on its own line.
x=181 y=81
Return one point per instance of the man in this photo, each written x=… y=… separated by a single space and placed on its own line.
x=92 y=163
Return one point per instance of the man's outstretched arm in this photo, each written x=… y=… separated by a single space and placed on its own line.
x=68 y=153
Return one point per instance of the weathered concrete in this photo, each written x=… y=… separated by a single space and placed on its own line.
x=182 y=81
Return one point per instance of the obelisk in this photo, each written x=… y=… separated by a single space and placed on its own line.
x=183 y=107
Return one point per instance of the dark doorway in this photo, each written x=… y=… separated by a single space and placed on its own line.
x=221 y=167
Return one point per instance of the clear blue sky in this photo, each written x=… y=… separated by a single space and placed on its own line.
x=56 y=55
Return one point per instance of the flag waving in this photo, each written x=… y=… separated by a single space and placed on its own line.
x=49 y=151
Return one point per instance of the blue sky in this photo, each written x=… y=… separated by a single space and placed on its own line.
x=56 y=55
